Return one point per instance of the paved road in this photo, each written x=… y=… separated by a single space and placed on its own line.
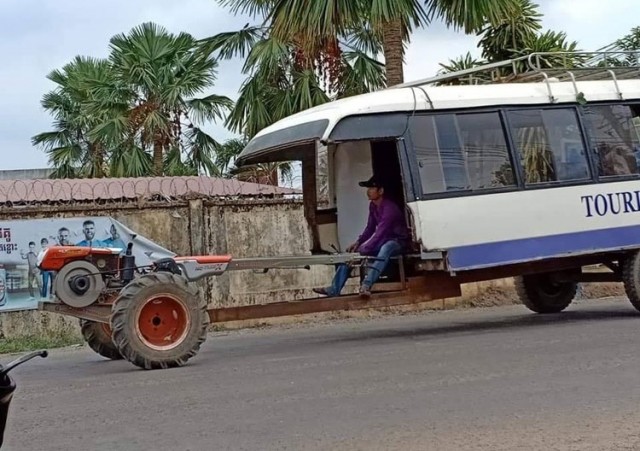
x=488 y=379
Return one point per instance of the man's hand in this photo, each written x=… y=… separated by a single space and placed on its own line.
x=353 y=247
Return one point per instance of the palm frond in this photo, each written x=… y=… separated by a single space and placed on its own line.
x=307 y=92
x=250 y=113
x=361 y=74
x=49 y=140
x=250 y=7
x=209 y=108
x=470 y=16
x=364 y=38
x=410 y=12
x=270 y=56
x=202 y=151
x=232 y=44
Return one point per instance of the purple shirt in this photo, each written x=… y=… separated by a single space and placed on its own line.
x=386 y=222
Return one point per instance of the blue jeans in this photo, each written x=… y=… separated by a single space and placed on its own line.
x=47 y=278
x=389 y=249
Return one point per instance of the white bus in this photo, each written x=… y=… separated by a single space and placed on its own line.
x=538 y=180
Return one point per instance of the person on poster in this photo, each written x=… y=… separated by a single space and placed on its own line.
x=47 y=276
x=33 y=272
x=63 y=237
x=89 y=230
x=115 y=241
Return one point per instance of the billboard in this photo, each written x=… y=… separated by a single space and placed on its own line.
x=23 y=285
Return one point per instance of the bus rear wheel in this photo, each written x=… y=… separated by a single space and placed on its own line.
x=540 y=293
x=631 y=278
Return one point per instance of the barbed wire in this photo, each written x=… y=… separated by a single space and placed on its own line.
x=131 y=190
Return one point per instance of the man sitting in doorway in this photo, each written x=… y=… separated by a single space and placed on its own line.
x=385 y=236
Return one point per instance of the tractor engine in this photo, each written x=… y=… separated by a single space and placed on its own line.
x=84 y=274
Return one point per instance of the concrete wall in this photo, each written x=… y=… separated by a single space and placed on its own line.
x=25 y=174
x=245 y=230
x=241 y=228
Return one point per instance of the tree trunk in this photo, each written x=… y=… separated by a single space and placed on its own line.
x=273 y=176
x=393 y=51
x=97 y=160
x=158 y=162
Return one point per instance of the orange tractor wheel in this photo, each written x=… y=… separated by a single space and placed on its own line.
x=98 y=337
x=159 y=321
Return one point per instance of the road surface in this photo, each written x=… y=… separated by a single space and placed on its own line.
x=485 y=379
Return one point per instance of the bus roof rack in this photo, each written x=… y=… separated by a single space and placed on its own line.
x=543 y=66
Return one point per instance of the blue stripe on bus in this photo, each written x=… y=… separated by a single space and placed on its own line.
x=527 y=249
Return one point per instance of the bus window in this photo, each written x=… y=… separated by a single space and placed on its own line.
x=425 y=145
x=615 y=131
x=461 y=152
x=549 y=144
x=488 y=161
x=451 y=153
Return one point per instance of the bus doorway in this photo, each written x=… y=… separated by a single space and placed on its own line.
x=385 y=164
x=353 y=162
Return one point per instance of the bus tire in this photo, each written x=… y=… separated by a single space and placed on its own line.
x=159 y=321
x=540 y=294
x=631 y=278
x=98 y=337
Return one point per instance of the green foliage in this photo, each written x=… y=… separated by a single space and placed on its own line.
x=460 y=63
x=336 y=40
x=138 y=112
x=515 y=34
x=511 y=33
x=471 y=15
x=72 y=151
x=283 y=80
x=628 y=43
x=36 y=342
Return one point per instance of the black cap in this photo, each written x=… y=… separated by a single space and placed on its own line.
x=373 y=182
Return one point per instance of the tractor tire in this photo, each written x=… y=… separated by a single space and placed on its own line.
x=631 y=278
x=159 y=321
x=98 y=337
x=540 y=294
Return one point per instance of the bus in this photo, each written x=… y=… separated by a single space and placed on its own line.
x=535 y=175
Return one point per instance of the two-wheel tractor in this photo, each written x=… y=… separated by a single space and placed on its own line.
x=157 y=321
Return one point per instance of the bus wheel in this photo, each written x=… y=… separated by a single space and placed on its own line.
x=159 y=321
x=541 y=294
x=98 y=337
x=631 y=278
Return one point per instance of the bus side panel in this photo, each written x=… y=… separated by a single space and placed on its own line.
x=498 y=229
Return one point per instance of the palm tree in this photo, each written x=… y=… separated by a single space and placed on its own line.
x=316 y=24
x=513 y=32
x=516 y=35
x=553 y=42
x=282 y=80
x=227 y=154
x=460 y=63
x=151 y=100
x=266 y=173
x=72 y=151
x=135 y=113
x=628 y=43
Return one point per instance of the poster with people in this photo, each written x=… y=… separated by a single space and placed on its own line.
x=23 y=284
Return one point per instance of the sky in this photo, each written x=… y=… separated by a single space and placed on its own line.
x=38 y=36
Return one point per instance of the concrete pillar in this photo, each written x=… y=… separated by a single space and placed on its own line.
x=196 y=227
x=214 y=233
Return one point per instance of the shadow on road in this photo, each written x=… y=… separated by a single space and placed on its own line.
x=477 y=324
x=306 y=340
